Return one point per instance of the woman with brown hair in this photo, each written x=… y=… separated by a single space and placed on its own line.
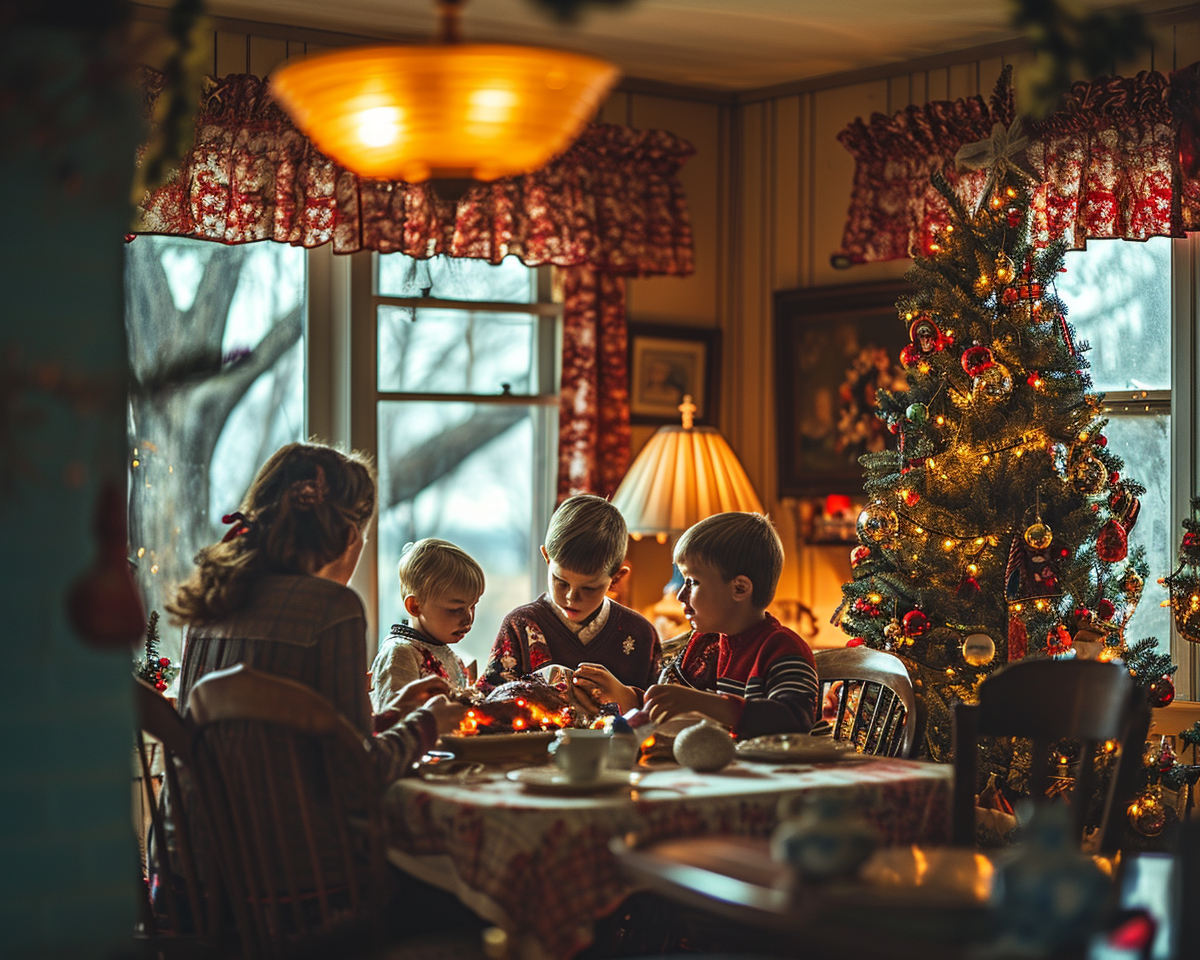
x=272 y=594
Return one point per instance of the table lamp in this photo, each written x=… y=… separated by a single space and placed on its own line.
x=684 y=474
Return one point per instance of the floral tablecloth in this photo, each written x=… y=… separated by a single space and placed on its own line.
x=540 y=867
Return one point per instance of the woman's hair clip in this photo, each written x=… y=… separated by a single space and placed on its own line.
x=310 y=493
x=241 y=525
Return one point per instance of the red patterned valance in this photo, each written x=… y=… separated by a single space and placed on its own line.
x=1119 y=159
x=612 y=201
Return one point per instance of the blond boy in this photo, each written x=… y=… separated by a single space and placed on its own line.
x=575 y=621
x=741 y=665
x=440 y=584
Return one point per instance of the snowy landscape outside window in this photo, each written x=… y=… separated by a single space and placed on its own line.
x=466 y=417
x=216 y=350
x=1118 y=296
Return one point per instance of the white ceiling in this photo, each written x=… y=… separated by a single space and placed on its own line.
x=722 y=44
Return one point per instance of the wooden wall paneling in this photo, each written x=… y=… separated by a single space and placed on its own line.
x=151 y=43
x=615 y=109
x=937 y=83
x=1144 y=60
x=787 y=173
x=989 y=73
x=963 y=81
x=693 y=299
x=232 y=54
x=1163 y=35
x=266 y=53
x=834 y=168
x=1187 y=44
x=742 y=366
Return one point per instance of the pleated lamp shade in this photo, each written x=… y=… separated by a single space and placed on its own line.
x=683 y=475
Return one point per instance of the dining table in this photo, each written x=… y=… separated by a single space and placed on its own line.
x=541 y=865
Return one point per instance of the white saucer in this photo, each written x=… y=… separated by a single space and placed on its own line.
x=551 y=780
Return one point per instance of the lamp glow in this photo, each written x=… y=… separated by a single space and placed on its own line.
x=445 y=110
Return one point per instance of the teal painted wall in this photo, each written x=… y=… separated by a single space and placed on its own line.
x=67 y=850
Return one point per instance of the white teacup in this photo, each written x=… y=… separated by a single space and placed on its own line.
x=580 y=754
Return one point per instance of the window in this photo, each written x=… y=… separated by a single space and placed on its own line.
x=466 y=414
x=216 y=344
x=446 y=370
x=1132 y=302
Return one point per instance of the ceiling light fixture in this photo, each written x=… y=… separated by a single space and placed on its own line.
x=448 y=110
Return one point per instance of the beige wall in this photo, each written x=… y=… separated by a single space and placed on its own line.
x=768 y=191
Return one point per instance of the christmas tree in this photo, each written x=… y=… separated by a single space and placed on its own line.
x=156 y=670
x=998 y=526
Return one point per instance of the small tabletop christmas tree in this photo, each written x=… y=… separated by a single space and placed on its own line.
x=158 y=671
x=998 y=526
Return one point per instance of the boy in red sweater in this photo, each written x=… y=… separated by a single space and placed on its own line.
x=741 y=666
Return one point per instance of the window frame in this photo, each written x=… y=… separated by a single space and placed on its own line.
x=343 y=394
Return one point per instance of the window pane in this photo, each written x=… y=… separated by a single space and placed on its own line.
x=466 y=473
x=451 y=278
x=216 y=341
x=1144 y=443
x=1118 y=296
x=427 y=350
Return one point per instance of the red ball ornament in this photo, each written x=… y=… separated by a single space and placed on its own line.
x=160 y=686
x=1114 y=478
x=915 y=624
x=1009 y=296
x=976 y=359
x=1191 y=540
x=1161 y=691
x=855 y=642
x=164 y=661
x=1107 y=609
x=1112 y=543
x=1100 y=440
x=911 y=498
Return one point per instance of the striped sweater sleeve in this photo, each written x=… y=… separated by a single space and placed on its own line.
x=781 y=693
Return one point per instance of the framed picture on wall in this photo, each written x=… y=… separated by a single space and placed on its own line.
x=834 y=347
x=667 y=363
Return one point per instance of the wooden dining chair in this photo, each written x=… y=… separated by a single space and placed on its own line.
x=183 y=919
x=877 y=710
x=296 y=810
x=1044 y=701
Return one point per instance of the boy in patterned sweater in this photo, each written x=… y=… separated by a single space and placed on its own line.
x=440 y=584
x=575 y=622
x=741 y=666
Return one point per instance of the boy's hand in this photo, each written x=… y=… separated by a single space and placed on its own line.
x=448 y=715
x=598 y=685
x=413 y=695
x=666 y=700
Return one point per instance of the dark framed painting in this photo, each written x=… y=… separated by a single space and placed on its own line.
x=834 y=347
x=667 y=363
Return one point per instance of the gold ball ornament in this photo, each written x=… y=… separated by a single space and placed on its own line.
x=1148 y=813
x=1039 y=535
x=1131 y=584
x=1087 y=475
x=992 y=383
x=979 y=649
x=877 y=523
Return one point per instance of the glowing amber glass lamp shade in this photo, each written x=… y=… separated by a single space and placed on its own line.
x=478 y=111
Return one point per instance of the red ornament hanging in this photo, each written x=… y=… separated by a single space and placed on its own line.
x=976 y=359
x=1106 y=609
x=1018 y=638
x=103 y=605
x=855 y=642
x=968 y=588
x=915 y=624
x=1161 y=691
x=1112 y=543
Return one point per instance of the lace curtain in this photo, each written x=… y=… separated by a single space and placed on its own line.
x=1119 y=159
x=611 y=206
